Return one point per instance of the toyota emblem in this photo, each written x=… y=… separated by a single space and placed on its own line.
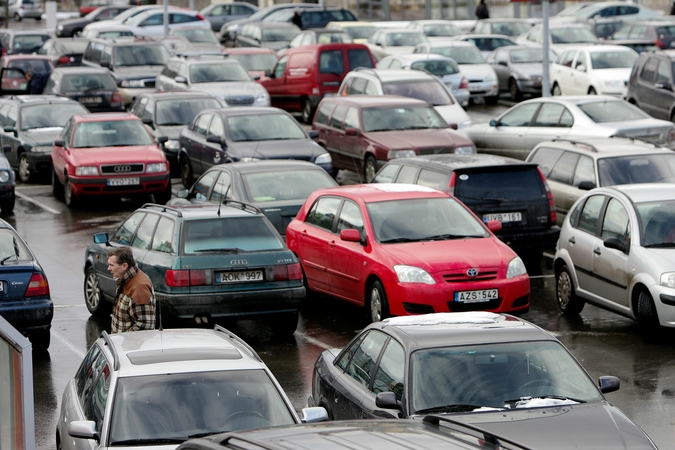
x=238 y=262
x=119 y=169
x=472 y=272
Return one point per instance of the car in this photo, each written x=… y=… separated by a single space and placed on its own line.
x=572 y=167
x=518 y=130
x=29 y=125
x=128 y=386
x=494 y=188
x=107 y=32
x=355 y=244
x=361 y=133
x=504 y=26
x=360 y=31
x=92 y=87
x=221 y=13
x=222 y=77
x=441 y=66
x=486 y=43
x=134 y=64
x=277 y=187
x=519 y=70
x=74 y=27
x=7 y=186
x=273 y=35
x=123 y=16
x=616 y=252
x=651 y=34
x=64 y=51
x=314 y=17
x=151 y=22
x=319 y=36
x=482 y=77
x=597 y=69
x=394 y=41
x=109 y=155
x=435 y=30
x=24 y=9
x=650 y=85
x=303 y=76
x=563 y=35
x=228 y=32
x=180 y=45
x=407 y=83
x=89 y=6
x=201 y=40
x=26 y=301
x=234 y=134
x=495 y=371
x=256 y=60
x=15 y=41
x=206 y=262
x=626 y=11
x=165 y=114
x=39 y=64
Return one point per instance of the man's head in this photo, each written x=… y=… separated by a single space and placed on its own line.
x=120 y=259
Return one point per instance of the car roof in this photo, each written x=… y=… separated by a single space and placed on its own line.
x=274 y=24
x=385 y=75
x=77 y=70
x=378 y=100
x=268 y=165
x=229 y=208
x=25 y=56
x=453 y=162
x=32 y=99
x=414 y=57
x=603 y=147
x=647 y=192
x=400 y=30
x=106 y=116
x=247 y=110
x=350 y=23
x=327 y=46
x=575 y=99
x=248 y=50
x=380 y=192
x=175 y=95
x=449 y=43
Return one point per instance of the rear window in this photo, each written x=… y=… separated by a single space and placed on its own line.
x=359 y=58
x=36 y=65
x=231 y=235
x=30 y=41
x=331 y=62
x=12 y=248
x=88 y=82
x=431 y=91
x=604 y=111
x=438 y=68
x=498 y=185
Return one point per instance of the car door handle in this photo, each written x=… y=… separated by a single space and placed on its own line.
x=304 y=232
x=332 y=243
x=597 y=251
x=572 y=240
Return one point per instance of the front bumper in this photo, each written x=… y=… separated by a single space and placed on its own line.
x=535 y=241
x=530 y=86
x=664 y=300
x=39 y=162
x=29 y=314
x=480 y=89
x=35 y=14
x=149 y=184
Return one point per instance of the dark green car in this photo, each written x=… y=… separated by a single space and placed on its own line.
x=206 y=262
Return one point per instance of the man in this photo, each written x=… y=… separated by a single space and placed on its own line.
x=135 y=299
x=482 y=11
x=297 y=19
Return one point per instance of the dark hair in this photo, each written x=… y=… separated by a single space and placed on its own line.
x=123 y=255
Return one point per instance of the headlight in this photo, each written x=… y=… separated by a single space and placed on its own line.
x=156 y=167
x=59 y=27
x=247 y=159
x=614 y=83
x=668 y=279
x=516 y=267
x=464 y=124
x=41 y=149
x=86 y=170
x=4 y=176
x=391 y=154
x=132 y=83
x=465 y=150
x=172 y=144
x=412 y=274
x=323 y=159
x=263 y=98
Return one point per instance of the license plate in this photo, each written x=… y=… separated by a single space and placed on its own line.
x=123 y=181
x=476 y=88
x=243 y=276
x=504 y=217
x=91 y=99
x=476 y=296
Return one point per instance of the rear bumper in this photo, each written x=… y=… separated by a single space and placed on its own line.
x=99 y=186
x=535 y=241
x=29 y=315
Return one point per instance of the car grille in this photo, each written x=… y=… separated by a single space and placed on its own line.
x=239 y=101
x=476 y=306
x=435 y=150
x=122 y=169
x=458 y=277
x=149 y=83
x=649 y=137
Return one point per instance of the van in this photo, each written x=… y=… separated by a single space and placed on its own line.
x=304 y=75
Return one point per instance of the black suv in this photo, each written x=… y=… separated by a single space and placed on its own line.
x=652 y=82
x=494 y=188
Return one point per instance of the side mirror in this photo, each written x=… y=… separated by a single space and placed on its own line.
x=581 y=68
x=84 y=429
x=105 y=63
x=214 y=139
x=313 y=134
x=387 y=400
x=160 y=139
x=9 y=129
x=586 y=185
x=608 y=384
x=494 y=225
x=616 y=244
x=314 y=414
x=350 y=235
x=59 y=143
x=102 y=238
x=664 y=85
x=180 y=80
x=147 y=121
x=494 y=123
x=183 y=193
x=351 y=131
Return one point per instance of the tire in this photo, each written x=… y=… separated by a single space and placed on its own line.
x=307 y=112
x=556 y=91
x=369 y=168
x=69 y=198
x=17 y=17
x=516 y=95
x=568 y=301
x=37 y=19
x=57 y=187
x=648 y=319
x=376 y=301
x=163 y=198
x=41 y=340
x=93 y=297
x=492 y=100
x=186 y=174
x=284 y=325
x=76 y=33
x=23 y=169
x=592 y=91
x=7 y=205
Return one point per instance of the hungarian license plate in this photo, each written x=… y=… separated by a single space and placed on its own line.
x=123 y=181
x=91 y=99
x=476 y=88
x=504 y=217
x=476 y=296
x=242 y=276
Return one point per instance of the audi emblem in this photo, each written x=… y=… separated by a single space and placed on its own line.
x=238 y=262
x=119 y=169
x=472 y=272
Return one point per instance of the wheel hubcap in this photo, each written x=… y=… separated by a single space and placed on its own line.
x=24 y=172
x=375 y=305
x=370 y=171
x=68 y=193
x=564 y=289
x=93 y=295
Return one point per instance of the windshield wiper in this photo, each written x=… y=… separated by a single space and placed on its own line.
x=399 y=239
x=177 y=440
x=555 y=397
x=234 y=250
x=2 y=261
x=442 y=237
x=459 y=407
x=171 y=124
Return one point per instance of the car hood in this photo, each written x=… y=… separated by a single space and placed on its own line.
x=477 y=71
x=595 y=425
x=230 y=88
x=136 y=72
x=397 y=49
x=453 y=114
x=528 y=69
x=612 y=74
x=417 y=138
x=116 y=155
x=303 y=149
x=41 y=136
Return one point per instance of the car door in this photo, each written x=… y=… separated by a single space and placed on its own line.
x=275 y=83
x=347 y=259
x=213 y=153
x=579 y=76
x=10 y=138
x=334 y=134
x=141 y=240
x=123 y=236
x=197 y=142
x=508 y=136
x=662 y=91
x=561 y=69
x=553 y=121
x=352 y=148
x=499 y=62
x=162 y=252
x=389 y=376
x=561 y=180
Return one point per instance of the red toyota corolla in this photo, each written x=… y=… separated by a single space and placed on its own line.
x=108 y=154
x=403 y=249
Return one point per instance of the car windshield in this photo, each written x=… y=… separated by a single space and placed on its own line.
x=218 y=72
x=401 y=118
x=431 y=91
x=508 y=375
x=403 y=39
x=88 y=82
x=668 y=30
x=110 y=133
x=279 y=34
x=140 y=55
x=461 y=54
x=441 y=30
x=29 y=41
x=36 y=65
x=231 y=234
x=528 y=56
x=657 y=223
x=637 y=169
x=264 y=127
x=256 y=61
x=197 y=35
x=425 y=219
x=438 y=68
x=496 y=185
x=612 y=111
x=363 y=32
x=511 y=28
x=176 y=112
x=153 y=408
x=285 y=185
x=613 y=59
x=48 y=116
x=12 y=248
x=572 y=35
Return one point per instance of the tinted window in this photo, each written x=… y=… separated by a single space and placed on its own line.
x=144 y=233
x=663 y=72
x=438 y=68
x=520 y=116
x=434 y=179
x=113 y=133
x=402 y=118
x=264 y=127
x=124 y=232
x=359 y=58
x=349 y=353
x=386 y=174
x=95 y=409
x=588 y=220
x=563 y=171
x=140 y=55
x=88 y=81
x=546 y=158
x=479 y=187
x=323 y=212
x=85 y=370
x=352 y=119
x=164 y=237
x=636 y=169
x=390 y=371
x=203 y=185
x=247 y=234
x=36 y=65
x=284 y=185
x=363 y=362
x=338 y=116
x=431 y=91
x=48 y=116
x=215 y=73
x=323 y=113
x=604 y=111
x=331 y=62
x=649 y=70
x=181 y=112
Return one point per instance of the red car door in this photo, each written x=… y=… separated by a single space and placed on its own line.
x=345 y=270
x=276 y=83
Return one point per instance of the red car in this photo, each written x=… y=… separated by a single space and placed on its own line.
x=108 y=154
x=41 y=66
x=401 y=249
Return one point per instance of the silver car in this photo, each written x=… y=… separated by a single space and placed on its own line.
x=394 y=41
x=563 y=36
x=25 y=9
x=517 y=131
x=519 y=69
x=617 y=251
x=155 y=388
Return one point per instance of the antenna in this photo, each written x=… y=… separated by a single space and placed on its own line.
x=159 y=310
x=227 y=191
x=255 y=150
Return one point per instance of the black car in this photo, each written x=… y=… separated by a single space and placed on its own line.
x=245 y=133
x=7 y=185
x=494 y=188
x=29 y=125
x=64 y=51
x=25 y=301
x=519 y=69
x=92 y=87
x=273 y=35
x=13 y=41
x=73 y=27
x=168 y=113
x=316 y=18
x=651 y=86
x=277 y=187
x=496 y=371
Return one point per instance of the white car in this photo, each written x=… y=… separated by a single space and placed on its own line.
x=563 y=35
x=597 y=69
x=151 y=22
x=124 y=16
x=626 y=11
x=394 y=41
x=435 y=30
x=617 y=251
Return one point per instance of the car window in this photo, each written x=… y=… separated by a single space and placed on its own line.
x=371 y=89
x=359 y=58
x=584 y=171
x=138 y=106
x=616 y=222
x=95 y=410
x=323 y=113
x=357 y=86
x=350 y=217
x=163 y=241
x=520 y=116
x=390 y=370
x=323 y=212
x=12 y=116
x=612 y=111
x=331 y=62
x=549 y=115
x=124 y=232
x=563 y=170
x=638 y=32
x=109 y=133
x=433 y=178
x=478 y=187
x=338 y=116
x=246 y=234
x=202 y=123
x=4 y=109
x=203 y=185
x=222 y=187
x=546 y=158
x=216 y=128
x=362 y=364
x=567 y=58
x=386 y=174
x=280 y=67
x=144 y=234
x=90 y=378
x=348 y=353
x=663 y=72
x=621 y=33
x=649 y=70
x=91 y=360
x=588 y=219
x=407 y=174
x=352 y=119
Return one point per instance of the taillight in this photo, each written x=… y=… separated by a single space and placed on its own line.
x=287 y=272
x=63 y=60
x=451 y=184
x=200 y=17
x=659 y=42
x=200 y=277
x=551 y=204
x=294 y=272
x=177 y=278
x=4 y=51
x=37 y=286
x=116 y=98
x=464 y=84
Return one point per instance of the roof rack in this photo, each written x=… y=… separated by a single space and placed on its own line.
x=462 y=427
x=573 y=142
x=198 y=54
x=109 y=343
x=372 y=69
x=243 y=206
x=164 y=208
x=636 y=138
x=239 y=340
x=251 y=442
